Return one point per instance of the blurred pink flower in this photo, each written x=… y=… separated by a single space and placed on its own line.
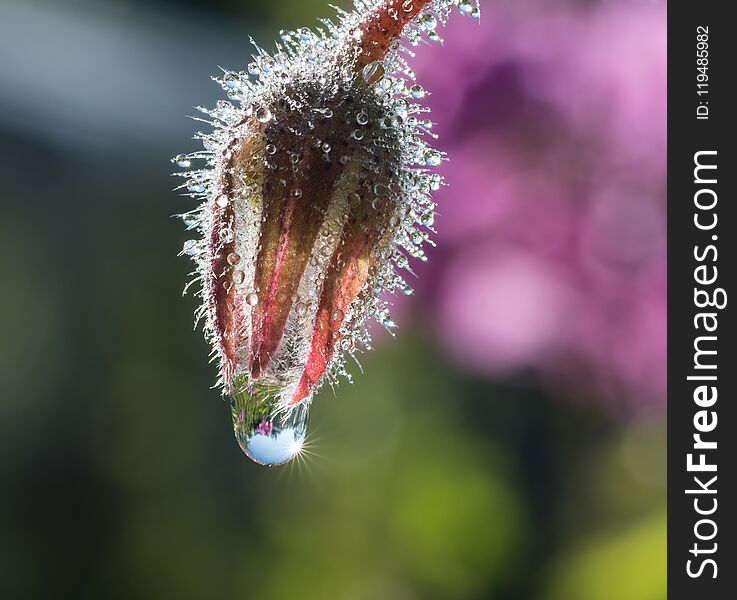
x=552 y=229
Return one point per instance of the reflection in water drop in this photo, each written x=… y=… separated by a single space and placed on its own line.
x=267 y=435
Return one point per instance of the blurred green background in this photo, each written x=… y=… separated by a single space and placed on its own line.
x=120 y=475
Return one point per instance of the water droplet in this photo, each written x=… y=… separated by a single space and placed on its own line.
x=373 y=72
x=238 y=277
x=222 y=201
x=182 y=161
x=417 y=91
x=270 y=149
x=226 y=235
x=345 y=159
x=362 y=118
x=428 y=22
x=190 y=248
x=263 y=114
x=252 y=299
x=296 y=193
x=465 y=6
x=196 y=187
x=253 y=69
x=231 y=80
x=358 y=135
x=326 y=147
x=233 y=258
x=266 y=433
x=427 y=218
x=354 y=200
x=475 y=13
x=432 y=158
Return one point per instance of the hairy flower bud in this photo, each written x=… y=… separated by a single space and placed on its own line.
x=315 y=188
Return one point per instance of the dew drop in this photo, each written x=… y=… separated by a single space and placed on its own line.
x=296 y=193
x=428 y=22
x=432 y=158
x=357 y=135
x=182 y=161
x=252 y=299
x=266 y=433
x=465 y=6
x=190 y=248
x=417 y=91
x=196 y=187
x=233 y=258
x=222 y=201
x=226 y=235
x=362 y=118
x=270 y=149
x=373 y=72
x=326 y=147
x=238 y=277
x=354 y=200
x=263 y=114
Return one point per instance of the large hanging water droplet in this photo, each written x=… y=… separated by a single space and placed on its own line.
x=268 y=434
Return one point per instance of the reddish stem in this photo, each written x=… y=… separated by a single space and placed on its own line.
x=384 y=24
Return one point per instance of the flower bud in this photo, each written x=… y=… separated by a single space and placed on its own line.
x=315 y=186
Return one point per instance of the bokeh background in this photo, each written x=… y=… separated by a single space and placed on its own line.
x=508 y=444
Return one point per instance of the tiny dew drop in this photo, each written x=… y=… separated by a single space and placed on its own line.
x=270 y=149
x=190 y=248
x=252 y=299
x=196 y=187
x=373 y=72
x=263 y=114
x=231 y=80
x=182 y=161
x=465 y=6
x=354 y=200
x=362 y=118
x=417 y=91
x=238 y=277
x=432 y=158
x=428 y=22
x=233 y=258
x=222 y=201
